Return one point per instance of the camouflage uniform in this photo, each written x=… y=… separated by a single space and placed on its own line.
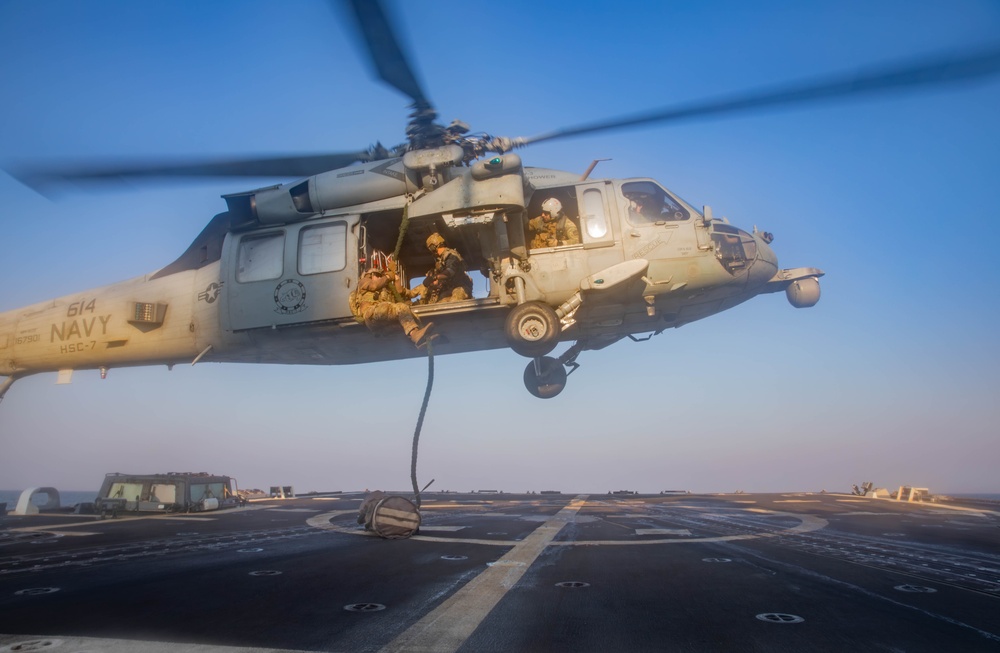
x=553 y=232
x=375 y=304
x=447 y=280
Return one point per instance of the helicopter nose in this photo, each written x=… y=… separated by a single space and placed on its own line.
x=765 y=265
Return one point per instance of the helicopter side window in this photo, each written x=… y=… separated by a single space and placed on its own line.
x=261 y=257
x=733 y=247
x=323 y=248
x=595 y=221
x=545 y=232
x=650 y=204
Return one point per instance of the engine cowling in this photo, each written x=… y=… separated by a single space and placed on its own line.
x=803 y=293
x=336 y=189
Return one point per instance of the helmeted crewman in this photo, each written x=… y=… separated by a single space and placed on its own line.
x=375 y=303
x=447 y=281
x=553 y=228
x=644 y=207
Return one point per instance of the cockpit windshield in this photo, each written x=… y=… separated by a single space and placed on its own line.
x=648 y=204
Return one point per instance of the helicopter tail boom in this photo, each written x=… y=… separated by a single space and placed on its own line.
x=135 y=322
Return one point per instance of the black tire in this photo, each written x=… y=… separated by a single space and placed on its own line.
x=551 y=381
x=532 y=329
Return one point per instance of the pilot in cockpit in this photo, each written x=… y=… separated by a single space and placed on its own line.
x=645 y=207
x=648 y=203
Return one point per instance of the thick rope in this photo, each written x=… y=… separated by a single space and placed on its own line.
x=398 y=296
x=402 y=231
x=420 y=420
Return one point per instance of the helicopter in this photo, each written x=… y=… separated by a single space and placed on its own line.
x=269 y=279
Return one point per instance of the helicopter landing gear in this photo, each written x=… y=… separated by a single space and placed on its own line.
x=545 y=377
x=532 y=329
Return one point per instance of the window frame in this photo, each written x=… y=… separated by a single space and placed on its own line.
x=342 y=260
x=249 y=238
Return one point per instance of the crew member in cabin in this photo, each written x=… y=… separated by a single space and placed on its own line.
x=447 y=281
x=553 y=228
x=378 y=301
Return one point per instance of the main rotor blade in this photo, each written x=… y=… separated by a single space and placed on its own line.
x=286 y=166
x=384 y=50
x=940 y=70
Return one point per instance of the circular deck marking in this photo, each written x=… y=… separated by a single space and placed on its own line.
x=573 y=584
x=918 y=589
x=806 y=524
x=36 y=591
x=780 y=618
x=265 y=572
x=364 y=607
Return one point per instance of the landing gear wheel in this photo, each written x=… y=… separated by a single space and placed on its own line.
x=549 y=382
x=532 y=329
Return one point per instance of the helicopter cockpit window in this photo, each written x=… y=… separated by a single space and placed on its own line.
x=649 y=204
x=323 y=248
x=261 y=257
x=734 y=247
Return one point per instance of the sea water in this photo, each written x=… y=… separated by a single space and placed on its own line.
x=991 y=497
x=67 y=499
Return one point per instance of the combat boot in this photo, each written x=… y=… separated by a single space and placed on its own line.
x=419 y=336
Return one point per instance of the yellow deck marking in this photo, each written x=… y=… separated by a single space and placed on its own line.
x=47 y=529
x=51 y=531
x=447 y=627
x=179 y=518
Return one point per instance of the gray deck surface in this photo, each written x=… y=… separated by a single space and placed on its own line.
x=580 y=573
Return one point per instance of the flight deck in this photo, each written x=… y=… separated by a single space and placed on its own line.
x=510 y=572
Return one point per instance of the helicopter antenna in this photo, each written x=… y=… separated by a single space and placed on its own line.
x=590 y=168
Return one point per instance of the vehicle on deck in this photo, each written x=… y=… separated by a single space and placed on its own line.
x=173 y=492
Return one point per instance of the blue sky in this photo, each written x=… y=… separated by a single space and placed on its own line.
x=890 y=378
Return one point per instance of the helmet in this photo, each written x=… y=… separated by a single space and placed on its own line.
x=434 y=241
x=638 y=196
x=647 y=203
x=552 y=206
x=642 y=191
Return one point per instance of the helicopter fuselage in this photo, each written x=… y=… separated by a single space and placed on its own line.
x=270 y=280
